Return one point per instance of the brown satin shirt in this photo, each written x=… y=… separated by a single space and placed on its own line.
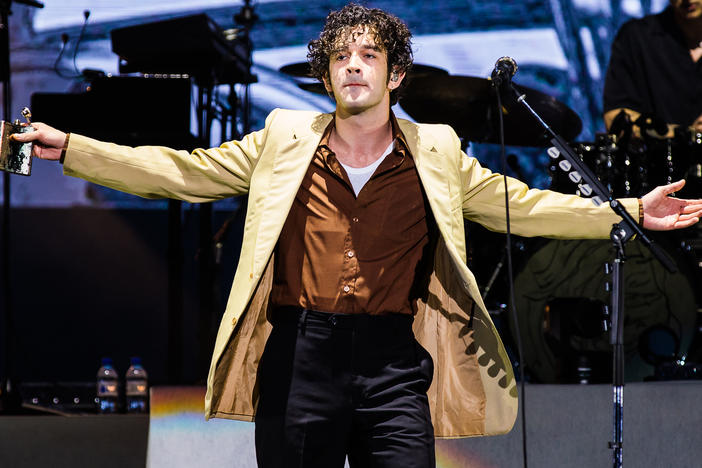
x=345 y=254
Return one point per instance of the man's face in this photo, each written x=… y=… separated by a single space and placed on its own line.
x=358 y=73
x=687 y=9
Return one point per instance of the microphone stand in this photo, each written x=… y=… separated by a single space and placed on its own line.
x=620 y=234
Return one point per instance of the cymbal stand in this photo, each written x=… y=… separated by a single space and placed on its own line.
x=588 y=184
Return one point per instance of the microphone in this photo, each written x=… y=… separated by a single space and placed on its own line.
x=504 y=70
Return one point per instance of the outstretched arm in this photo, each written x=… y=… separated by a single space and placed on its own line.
x=153 y=171
x=664 y=213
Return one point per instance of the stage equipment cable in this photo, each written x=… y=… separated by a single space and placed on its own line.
x=64 y=43
x=510 y=276
x=86 y=15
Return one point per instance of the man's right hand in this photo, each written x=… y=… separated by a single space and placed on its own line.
x=697 y=125
x=48 y=142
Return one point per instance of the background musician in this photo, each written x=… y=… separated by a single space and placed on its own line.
x=655 y=68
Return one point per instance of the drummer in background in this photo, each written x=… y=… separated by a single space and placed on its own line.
x=655 y=68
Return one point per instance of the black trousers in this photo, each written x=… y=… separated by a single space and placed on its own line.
x=337 y=385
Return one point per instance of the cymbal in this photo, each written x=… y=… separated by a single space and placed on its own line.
x=314 y=87
x=302 y=70
x=468 y=104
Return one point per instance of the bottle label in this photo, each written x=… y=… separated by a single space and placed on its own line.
x=107 y=388
x=136 y=387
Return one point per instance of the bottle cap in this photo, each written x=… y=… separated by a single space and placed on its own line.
x=135 y=361
x=106 y=361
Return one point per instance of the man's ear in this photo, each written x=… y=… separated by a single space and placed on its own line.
x=395 y=79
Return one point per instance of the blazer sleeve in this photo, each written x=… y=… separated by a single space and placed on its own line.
x=533 y=212
x=160 y=172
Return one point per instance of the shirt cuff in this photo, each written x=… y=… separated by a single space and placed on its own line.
x=641 y=213
x=68 y=136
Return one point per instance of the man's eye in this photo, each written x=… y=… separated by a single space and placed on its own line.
x=340 y=57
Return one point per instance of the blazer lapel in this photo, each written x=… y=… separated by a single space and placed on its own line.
x=293 y=157
x=432 y=173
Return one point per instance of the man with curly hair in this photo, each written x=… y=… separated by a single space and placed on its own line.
x=352 y=272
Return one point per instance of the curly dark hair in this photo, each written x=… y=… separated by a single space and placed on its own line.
x=389 y=32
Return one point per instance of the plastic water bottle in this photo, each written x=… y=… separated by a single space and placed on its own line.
x=137 y=387
x=107 y=387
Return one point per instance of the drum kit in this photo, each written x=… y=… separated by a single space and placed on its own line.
x=554 y=275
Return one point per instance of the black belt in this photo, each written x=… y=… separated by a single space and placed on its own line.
x=289 y=315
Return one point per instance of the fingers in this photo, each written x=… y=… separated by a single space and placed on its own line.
x=674 y=187
x=42 y=134
x=660 y=194
x=697 y=213
x=44 y=152
x=37 y=150
x=680 y=224
x=692 y=208
x=25 y=137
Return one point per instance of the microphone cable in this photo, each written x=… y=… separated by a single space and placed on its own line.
x=64 y=43
x=510 y=274
x=86 y=15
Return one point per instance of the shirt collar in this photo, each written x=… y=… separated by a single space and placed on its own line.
x=398 y=137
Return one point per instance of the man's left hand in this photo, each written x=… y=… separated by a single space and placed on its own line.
x=663 y=213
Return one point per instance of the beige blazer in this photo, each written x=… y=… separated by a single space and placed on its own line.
x=473 y=391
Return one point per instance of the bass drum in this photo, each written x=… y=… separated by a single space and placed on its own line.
x=570 y=275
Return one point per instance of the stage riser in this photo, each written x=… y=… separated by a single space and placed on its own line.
x=568 y=426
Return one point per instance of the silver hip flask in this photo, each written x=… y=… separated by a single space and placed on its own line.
x=15 y=157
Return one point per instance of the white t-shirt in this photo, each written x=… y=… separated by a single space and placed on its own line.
x=360 y=175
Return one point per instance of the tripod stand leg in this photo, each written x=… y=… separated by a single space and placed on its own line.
x=617 y=341
x=618 y=400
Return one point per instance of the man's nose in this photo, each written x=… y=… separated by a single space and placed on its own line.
x=353 y=65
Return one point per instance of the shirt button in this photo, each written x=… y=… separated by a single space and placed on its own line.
x=346 y=288
x=350 y=254
x=355 y=219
